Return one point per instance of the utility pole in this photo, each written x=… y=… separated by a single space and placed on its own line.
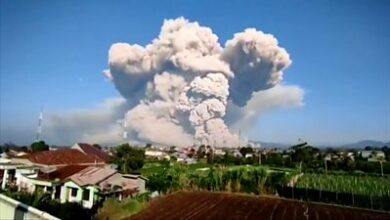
x=259 y=157
x=326 y=166
x=381 y=163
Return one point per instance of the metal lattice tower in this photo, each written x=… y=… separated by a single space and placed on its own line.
x=125 y=129
x=38 y=136
x=239 y=138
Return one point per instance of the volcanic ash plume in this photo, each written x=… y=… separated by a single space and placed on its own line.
x=178 y=87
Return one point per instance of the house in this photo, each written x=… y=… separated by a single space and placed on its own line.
x=86 y=185
x=219 y=152
x=11 y=169
x=377 y=156
x=373 y=155
x=64 y=157
x=94 y=184
x=157 y=154
x=94 y=150
x=236 y=153
x=249 y=155
x=8 y=170
x=47 y=182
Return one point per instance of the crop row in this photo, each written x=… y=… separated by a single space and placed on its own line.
x=363 y=185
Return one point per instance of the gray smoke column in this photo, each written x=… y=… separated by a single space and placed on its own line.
x=179 y=86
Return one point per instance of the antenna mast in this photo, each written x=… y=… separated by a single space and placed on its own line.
x=38 y=136
x=239 y=138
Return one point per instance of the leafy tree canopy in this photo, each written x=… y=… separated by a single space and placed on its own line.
x=39 y=146
x=128 y=158
x=246 y=150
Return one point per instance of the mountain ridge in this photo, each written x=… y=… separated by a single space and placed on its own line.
x=359 y=144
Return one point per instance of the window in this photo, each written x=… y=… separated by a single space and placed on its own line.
x=73 y=192
x=86 y=194
x=57 y=194
x=49 y=189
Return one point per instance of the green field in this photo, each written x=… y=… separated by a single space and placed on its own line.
x=151 y=168
x=363 y=185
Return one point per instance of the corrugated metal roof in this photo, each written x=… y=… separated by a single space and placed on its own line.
x=62 y=172
x=91 y=150
x=92 y=175
x=63 y=156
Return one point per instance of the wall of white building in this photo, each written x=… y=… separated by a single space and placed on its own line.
x=13 y=209
x=66 y=194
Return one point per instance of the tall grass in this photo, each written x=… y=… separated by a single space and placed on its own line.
x=238 y=179
x=113 y=209
x=363 y=185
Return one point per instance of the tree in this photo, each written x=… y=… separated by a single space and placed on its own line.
x=246 y=150
x=306 y=155
x=191 y=153
x=172 y=149
x=39 y=146
x=209 y=154
x=368 y=148
x=97 y=146
x=129 y=158
x=201 y=152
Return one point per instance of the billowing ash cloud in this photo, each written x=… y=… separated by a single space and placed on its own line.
x=96 y=125
x=185 y=88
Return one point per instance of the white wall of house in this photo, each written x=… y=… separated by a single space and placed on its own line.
x=13 y=209
x=66 y=194
x=141 y=185
x=24 y=183
x=70 y=196
x=137 y=180
x=5 y=179
x=90 y=201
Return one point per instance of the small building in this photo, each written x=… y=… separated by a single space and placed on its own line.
x=236 y=153
x=373 y=155
x=219 y=152
x=16 y=169
x=94 y=184
x=157 y=154
x=86 y=185
x=249 y=155
x=8 y=174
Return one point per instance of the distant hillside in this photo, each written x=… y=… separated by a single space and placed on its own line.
x=360 y=144
x=364 y=143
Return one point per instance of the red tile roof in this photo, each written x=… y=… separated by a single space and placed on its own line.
x=62 y=172
x=92 y=150
x=63 y=156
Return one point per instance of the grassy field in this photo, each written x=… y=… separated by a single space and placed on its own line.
x=150 y=168
x=153 y=167
x=363 y=185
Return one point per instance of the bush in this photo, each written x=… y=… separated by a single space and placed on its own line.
x=113 y=209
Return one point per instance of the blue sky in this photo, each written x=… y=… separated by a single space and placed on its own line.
x=53 y=53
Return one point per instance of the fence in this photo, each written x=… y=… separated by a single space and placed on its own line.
x=348 y=199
